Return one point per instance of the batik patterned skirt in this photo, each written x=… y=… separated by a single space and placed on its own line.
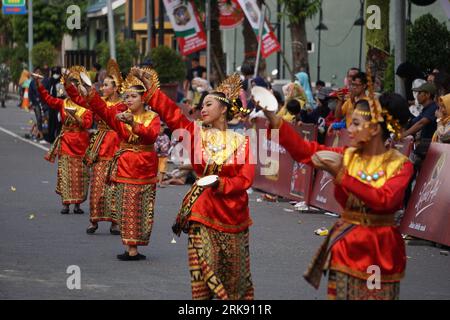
x=101 y=197
x=342 y=286
x=219 y=264
x=133 y=209
x=73 y=179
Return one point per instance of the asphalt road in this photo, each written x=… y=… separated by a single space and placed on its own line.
x=38 y=244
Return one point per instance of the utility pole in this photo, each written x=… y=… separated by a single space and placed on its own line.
x=149 y=26
x=30 y=35
x=400 y=41
x=111 y=31
x=208 y=41
x=262 y=19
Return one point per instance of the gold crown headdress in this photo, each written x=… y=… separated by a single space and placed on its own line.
x=153 y=77
x=231 y=88
x=132 y=81
x=74 y=73
x=377 y=113
x=113 y=71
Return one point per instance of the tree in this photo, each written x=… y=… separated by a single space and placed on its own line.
x=169 y=64
x=43 y=53
x=297 y=12
x=126 y=50
x=428 y=44
x=49 y=21
x=377 y=44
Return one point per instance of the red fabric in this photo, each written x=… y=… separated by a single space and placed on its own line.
x=110 y=143
x=73 y=143
x=363 y=246
x=300 y=150
x=225 y=208
x=132 y=167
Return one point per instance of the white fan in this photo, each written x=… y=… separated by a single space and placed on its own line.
x=207 y=181
x=37 y=76
x=265 y=98
x=86 y=79
x=329 y=155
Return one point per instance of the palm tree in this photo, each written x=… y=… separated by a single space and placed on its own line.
x=297 y=12
x=377 y=44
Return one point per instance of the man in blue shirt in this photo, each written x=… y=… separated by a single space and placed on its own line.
x=425 y=122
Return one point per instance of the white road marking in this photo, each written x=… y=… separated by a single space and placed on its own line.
x=12 y=134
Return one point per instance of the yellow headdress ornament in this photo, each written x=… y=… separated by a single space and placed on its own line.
x=113 y=71
x=231 y=88
x=153 y=77
x=74 y=73
x=132 y=81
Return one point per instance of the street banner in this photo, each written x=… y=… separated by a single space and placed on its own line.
x=231 y=14
x=270 y=42
x=186 y=25
x=428 y=214
x=14 y=7
x=292 y=180
x=323 y=189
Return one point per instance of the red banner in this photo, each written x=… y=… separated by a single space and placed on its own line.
x=186 y=25
x=323 y=189
x=292 y=180
x=428 y=214
x=270 y=42
x=231 y=14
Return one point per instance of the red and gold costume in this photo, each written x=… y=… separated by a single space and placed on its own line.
x=133 y=170
x=70 y=147
x=103 y=145
x=219 y=217
x=366 y=234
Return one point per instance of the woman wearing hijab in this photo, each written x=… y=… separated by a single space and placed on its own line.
x=442 y=134
x=303 y=79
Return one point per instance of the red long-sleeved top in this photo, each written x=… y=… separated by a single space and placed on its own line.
x=362 y=246
x=137 y=166
x=111 y=141
x=224 y=208
x=75 y=139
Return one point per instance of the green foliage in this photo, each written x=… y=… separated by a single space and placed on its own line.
x=16 y=58
x=169 y=64
x=428 y=44
x=49 y=21
x=43 y=53
x=296 y=10
x=127 y=52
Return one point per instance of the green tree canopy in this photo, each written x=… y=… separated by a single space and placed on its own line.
x=126 y=51
x=43 y=54
x=428 y=44
x=49 y=21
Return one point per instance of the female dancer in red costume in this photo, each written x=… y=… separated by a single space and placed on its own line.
x=216 y=217
x=71 y=144
x=133 y=170
x=370 y=182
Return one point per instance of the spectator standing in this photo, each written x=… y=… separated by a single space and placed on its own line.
x=196 y=71
x=425 y=123
x=162 y=147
